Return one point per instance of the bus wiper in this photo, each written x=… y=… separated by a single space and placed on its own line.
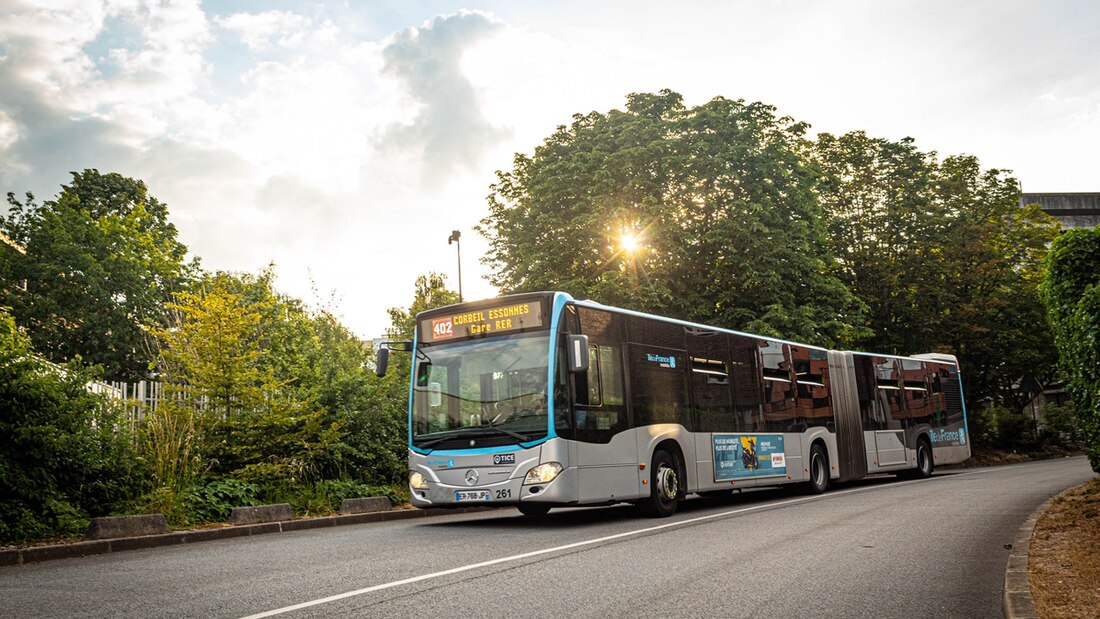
x=447 y=435
x=458 y=432
x=434 y=441
x=522 y=437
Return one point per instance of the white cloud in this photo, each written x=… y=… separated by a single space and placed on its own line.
x=448 y=130
x=264 y=31
x=9 y=131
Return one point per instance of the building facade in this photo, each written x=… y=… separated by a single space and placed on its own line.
x=1074 y=210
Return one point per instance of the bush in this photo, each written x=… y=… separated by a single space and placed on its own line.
x=215 y=501
x=67 y=454
x=1001 y=428
x=1071 y=291
x=1060 y=426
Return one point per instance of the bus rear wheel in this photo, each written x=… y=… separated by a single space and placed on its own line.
x=924 y=460
x=664 y=486
x=819 y=470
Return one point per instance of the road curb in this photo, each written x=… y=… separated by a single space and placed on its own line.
x=1017 y=601
x=35 y=554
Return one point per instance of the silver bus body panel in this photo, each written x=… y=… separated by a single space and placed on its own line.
x=610 y=470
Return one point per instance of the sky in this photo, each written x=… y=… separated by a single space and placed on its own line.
x=344 y=141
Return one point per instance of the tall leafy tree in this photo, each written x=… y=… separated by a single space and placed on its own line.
x=100 y=262
x=716 y=200
x=943 y=254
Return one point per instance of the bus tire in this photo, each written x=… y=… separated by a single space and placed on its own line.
x=533 y=510
x=819 y=470
x=664 y=484
x=924 y=460
x=924 y=466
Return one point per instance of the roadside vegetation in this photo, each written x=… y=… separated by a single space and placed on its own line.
x=735 y=218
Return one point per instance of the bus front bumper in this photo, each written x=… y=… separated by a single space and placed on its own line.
x=508 y=493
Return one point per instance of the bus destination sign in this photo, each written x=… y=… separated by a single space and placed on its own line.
x=487 y=321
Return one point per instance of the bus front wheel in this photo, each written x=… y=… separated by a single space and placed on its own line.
x=664 y=486
x=533 y=510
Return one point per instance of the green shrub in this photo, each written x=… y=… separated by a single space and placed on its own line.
x=1071 y=291
x=216 y=500
x=66 y=455
x=1060 y=426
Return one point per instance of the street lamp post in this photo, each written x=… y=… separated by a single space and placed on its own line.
x=455 y=235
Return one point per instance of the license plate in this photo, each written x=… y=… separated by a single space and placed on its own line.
x=463 y=496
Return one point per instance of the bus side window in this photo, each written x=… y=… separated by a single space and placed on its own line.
x=779 y=401
x=890 y=394
x=588 y=384
x=711 y=393
x=611 y=377
x=604 y=414
x=746 y=384
x=869 y=410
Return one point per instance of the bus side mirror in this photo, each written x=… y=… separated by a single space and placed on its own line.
x=578 y=353
x=381 y=362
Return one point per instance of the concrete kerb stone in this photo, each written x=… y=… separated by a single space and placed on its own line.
x=1018 y=603
x=257 y=514
x=113 y=527
x=34 y=554
x=365 y=505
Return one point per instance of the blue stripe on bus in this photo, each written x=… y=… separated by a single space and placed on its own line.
x=412 y=381
x=480 y=451
x=560 y=300
x=962 y=400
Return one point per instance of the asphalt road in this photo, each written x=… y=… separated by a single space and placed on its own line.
x=876 y=548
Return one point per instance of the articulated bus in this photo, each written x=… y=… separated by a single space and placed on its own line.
x=538 y=401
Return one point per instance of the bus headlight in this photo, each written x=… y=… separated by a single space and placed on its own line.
x=543 y=473
x=417 y=481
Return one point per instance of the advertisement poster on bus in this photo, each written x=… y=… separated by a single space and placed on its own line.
x=741 y=456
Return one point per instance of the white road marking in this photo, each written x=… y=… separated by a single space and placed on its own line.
x=591 y=542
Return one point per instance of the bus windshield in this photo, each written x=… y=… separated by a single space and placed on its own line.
x=481 y=393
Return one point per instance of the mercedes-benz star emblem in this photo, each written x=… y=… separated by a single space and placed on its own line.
x=471 y=477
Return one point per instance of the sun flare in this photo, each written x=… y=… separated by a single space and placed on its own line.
x=629 y=242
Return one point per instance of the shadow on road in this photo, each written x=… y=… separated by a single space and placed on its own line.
x=565 y=517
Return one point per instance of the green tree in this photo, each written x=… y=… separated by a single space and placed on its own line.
x=719 y=196
x=250 y=424
x=942 y=253
x=1071 y=291
x=430 y=291
x=389 y=421
x=66 y=454
x=319 y=360
x=101 y=261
